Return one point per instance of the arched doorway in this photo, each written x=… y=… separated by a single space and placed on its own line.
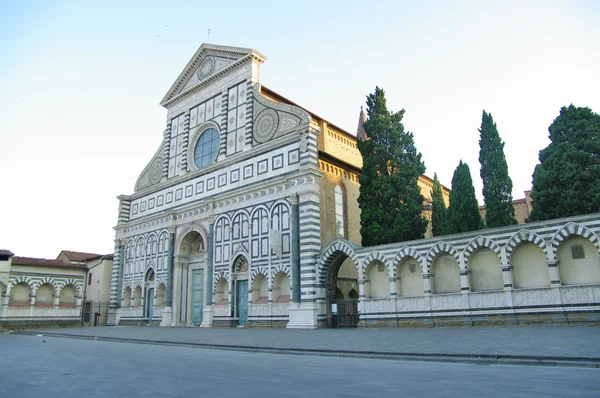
x=149 y=302
x=342 y=296
x=190 y=278
x=239 y=289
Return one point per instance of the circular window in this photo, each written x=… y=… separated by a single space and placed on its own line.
x=207 y=148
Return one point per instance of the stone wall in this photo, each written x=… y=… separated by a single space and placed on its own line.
x=545 y=272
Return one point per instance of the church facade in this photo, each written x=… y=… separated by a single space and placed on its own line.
x=247 y=215
x=225 y=222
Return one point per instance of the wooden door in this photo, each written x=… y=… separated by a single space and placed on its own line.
x=150 y=304
x=197 y=294
x=242 y=302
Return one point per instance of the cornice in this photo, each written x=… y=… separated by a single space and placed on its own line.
x=290 y=186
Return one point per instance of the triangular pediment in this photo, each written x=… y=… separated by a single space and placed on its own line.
x=208 y=62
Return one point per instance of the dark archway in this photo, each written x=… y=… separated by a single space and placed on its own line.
x=342 y=300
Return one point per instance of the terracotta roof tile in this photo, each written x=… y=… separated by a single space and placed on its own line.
x=44 y=262
x=79 y=256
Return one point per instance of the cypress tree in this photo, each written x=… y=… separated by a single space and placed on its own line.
x=497 y=185
x=438 y=209
x=566 y=182
x=390 y=198
x=463 y=213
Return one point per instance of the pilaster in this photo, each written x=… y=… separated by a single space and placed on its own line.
x=427 y=289
x=167 y=313
x=166 y=150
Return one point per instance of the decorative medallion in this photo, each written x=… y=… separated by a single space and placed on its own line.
x=155 y=171
x=265 y=125
x=206 y=68
x=412 y=268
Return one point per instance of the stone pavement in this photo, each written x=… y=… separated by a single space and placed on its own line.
x=533 y=345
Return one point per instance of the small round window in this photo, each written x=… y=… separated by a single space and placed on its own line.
x=207 y=148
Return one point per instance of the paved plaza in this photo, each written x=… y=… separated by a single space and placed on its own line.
x=35 y=366
x=511 y=344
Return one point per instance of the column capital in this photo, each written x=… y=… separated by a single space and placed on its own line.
x=295 y=199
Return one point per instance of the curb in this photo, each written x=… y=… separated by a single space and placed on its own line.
x=482 y=359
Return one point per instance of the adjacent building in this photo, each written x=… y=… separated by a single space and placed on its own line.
x=40 y=292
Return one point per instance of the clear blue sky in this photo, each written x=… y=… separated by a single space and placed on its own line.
x=80 y=84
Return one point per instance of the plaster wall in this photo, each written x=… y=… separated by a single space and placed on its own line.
x=378 y=285
x=486 y=272
x=446 y=277
x=529 y=266
x=19 y=295
x=578 y=270
x=44 y=296
x=409 y=280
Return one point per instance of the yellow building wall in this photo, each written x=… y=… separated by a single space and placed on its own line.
x=342 y=146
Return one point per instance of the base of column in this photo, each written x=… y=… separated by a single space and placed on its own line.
x=207 y=317
x=167 y=316
x=302 y=316
x=113 y=317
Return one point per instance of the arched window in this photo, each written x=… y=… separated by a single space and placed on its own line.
x=206 y=148
x=339 y=212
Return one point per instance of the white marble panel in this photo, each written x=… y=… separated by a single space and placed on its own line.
x=201 y=113
x=233 y=97
x=221 y=310
x=242 y=93
x=193 y=117
x=210 y=109
x=232 y=120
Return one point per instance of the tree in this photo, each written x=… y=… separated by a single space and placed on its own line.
x=497 y=185
x=463 y=213
x=566 y=182
x=438 y=209
x=390 y=199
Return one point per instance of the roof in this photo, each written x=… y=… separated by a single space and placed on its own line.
x=43 y=262
x=4 y=252
x=79 y=256
x=280 y=98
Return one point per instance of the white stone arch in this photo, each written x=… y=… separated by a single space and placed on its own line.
x=264 y=271
x=259 y=274
x=44 y=281
x=197 y=228
x=521 y=236
x=281 y=268
x=222 y=221
x=437 y=249
x=152 y=237
x=572 y=229
x=278 y=203
x=408 y=252
x=240 y=214
x=260 y=207
x=479 y=242
x=20 y=279
x=76 y=283
x=150 y=268
x=223 y=274
x=140 y=242
x=377 y=256
x=137 y=283
x=330 y=253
